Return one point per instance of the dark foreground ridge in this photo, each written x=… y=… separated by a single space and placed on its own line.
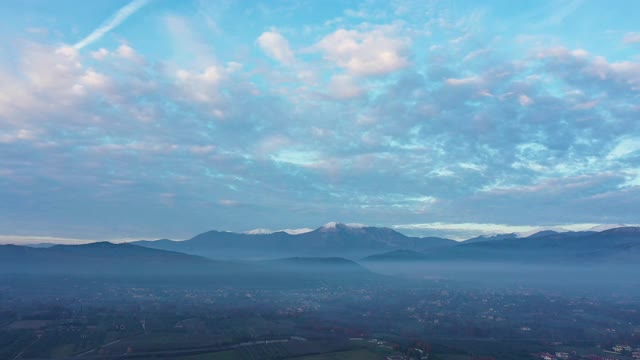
x=137 y=262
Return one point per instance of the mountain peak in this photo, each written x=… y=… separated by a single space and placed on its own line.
x=96 y=245
x=542 y=233
x=333 y=226
x=398 y=255
x=259 y=231
x=263 y=231
x=483 y=238
x=297 y=231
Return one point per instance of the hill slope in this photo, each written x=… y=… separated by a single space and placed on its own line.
x=101 y=258
x=137 y=262
x=397 y=256
x=619 y=244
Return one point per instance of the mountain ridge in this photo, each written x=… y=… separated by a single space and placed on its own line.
x=138 y=263
x=613 y=245
x=357 y=241
x=348 y=240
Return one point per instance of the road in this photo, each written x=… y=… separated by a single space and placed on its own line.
x=99 y=347
x=167 y=353
x=27 y=348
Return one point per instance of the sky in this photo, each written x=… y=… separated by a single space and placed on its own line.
x=164 y=119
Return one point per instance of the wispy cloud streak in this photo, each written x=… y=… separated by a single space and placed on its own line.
x=115 y=20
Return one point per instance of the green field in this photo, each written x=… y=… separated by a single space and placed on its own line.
x=297 y=352
x=361 y=354
x=223 y=355
x=28 y=324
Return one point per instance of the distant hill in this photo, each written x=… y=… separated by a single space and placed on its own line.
x=100 y=258
x=491 y=238
x=397 y=256
x=40 y=245
x=325 y=270
x=137 y=262
x=543 y=233
x=328 y=262
x=617 y=245
x=162 y=244
x=333 y=239
x=336 y=265
x=432 y=242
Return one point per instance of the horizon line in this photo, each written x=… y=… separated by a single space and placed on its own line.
x=7 y=239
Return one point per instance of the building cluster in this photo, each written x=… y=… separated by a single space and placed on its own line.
x=559 y=355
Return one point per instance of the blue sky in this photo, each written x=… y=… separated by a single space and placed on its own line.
x=158 y=118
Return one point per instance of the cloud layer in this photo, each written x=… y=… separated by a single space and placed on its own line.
x=408 y=114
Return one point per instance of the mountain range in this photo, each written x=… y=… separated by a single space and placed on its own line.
x=332 y=239
x=621 y=245
x=101 y=258
x=327 y=247
x=384 y=244
x=138 y=263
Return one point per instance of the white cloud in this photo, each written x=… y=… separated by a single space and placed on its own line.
x=477 y=53
x=94 y=79
x=587 y=105
x=276 y=46
x=262 y=231
x=204 y=149
x=479 y=227
x=259 y=231
x=126 y=52
x=38 y=30
x=581 y=61
x=27 y=240
x=47 y=80
x=632 y=38
x=297 y=231
x=300 y=158
x=524 y=100
x=463 y=231
x=344 y=87
x=100 y=54
x=202 y=86
x=228 y=202
x=624 y=147
x=19 y=135
x=373 y=52
x=185 y=38
x=51 y=68
x=468 y=81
